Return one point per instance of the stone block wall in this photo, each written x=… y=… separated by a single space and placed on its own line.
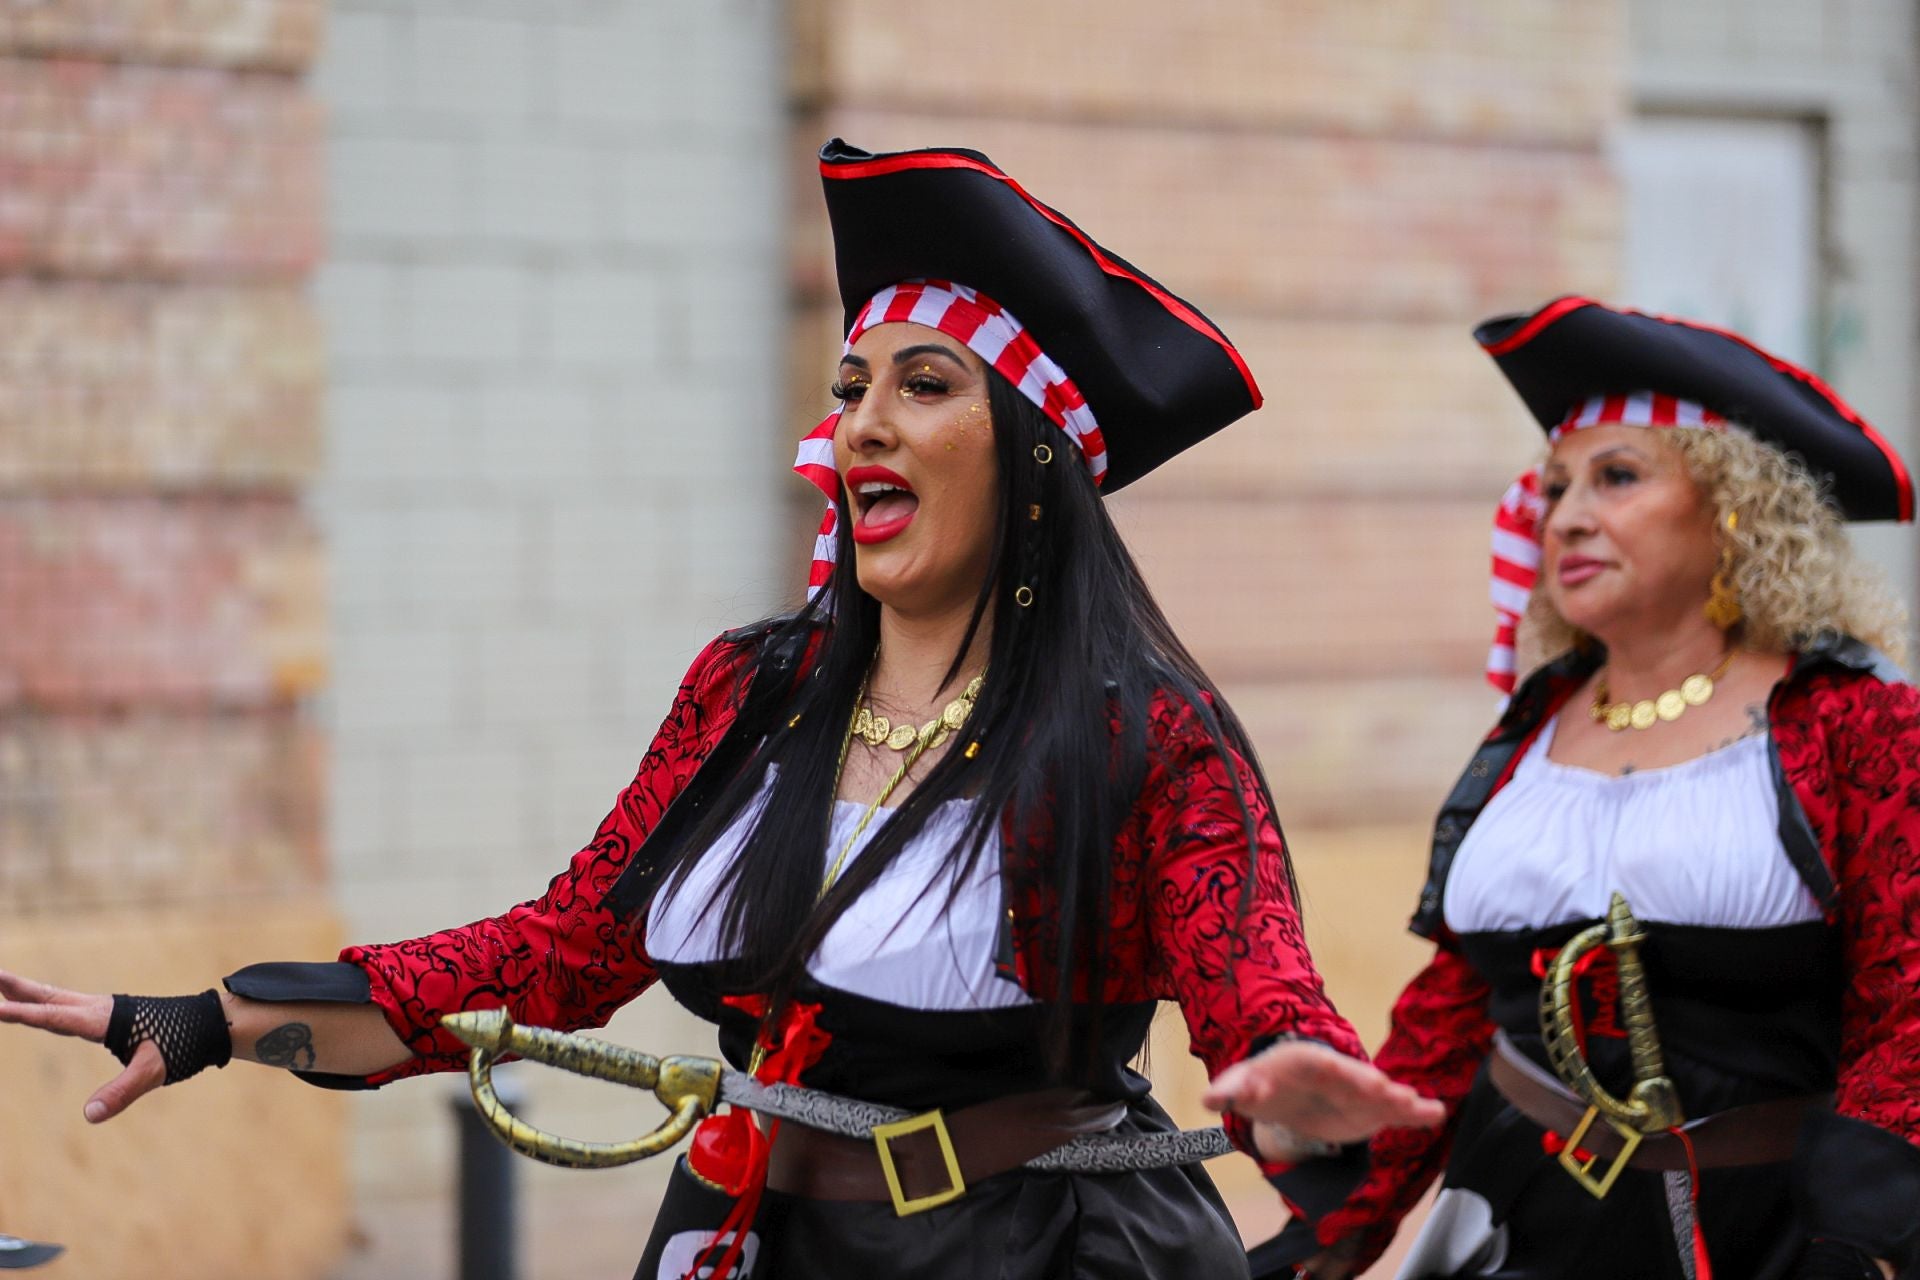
x=162 y=783
x=557 y=436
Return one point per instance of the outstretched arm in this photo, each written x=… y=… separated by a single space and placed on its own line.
x=337 y=1039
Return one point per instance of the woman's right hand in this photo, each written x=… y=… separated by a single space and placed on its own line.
x=74 y=1013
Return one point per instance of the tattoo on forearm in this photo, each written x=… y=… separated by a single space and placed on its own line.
x=289 y=1046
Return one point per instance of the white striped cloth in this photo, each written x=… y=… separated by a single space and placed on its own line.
x=1517 y=521
x=990 y=332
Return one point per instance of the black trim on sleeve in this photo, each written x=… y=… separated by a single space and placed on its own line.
x=1318 y=1185
x=1858 y=1184
x=330 y=982
x=321 y=982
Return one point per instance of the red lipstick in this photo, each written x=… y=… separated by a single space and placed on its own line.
x=883 y=502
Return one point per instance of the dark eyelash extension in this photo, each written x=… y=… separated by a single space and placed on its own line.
x=842 y=390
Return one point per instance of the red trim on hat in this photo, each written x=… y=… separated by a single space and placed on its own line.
x=1901 y=479
x=1531 y=329
x=1561 y=307
x=942 y=160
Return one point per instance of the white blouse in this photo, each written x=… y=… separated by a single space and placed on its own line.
x=1694 y=843
x=899 y=942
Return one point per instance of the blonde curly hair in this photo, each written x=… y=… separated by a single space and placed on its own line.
x=1794 y=570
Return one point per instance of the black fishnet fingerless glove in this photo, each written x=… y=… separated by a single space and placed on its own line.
x=191 y=1031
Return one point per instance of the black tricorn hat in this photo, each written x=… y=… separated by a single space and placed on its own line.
x=1158 y=375
x=1575 y=348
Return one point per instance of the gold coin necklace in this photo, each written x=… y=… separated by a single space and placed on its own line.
x=877 y=731
x=1671 y=705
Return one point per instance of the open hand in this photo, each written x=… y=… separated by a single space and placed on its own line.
x=73 y=1013
x=1316 y=1093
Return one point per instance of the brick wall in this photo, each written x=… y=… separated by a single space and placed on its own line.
x=161 y=780
x=1346 y=189
x=557 y=435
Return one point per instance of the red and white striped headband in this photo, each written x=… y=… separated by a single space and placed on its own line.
x=1517 y=521
x=990 y=332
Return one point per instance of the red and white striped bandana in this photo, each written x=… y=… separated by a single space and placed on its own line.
x=990 y=332
x=1516 y=523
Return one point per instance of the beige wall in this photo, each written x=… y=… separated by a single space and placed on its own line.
x=162 y=626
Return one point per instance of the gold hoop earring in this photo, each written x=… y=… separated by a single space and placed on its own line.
x=1023 y=596
x=1043 y=454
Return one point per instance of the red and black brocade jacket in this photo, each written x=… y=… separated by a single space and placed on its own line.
x=569 y=958
x=1845 y=739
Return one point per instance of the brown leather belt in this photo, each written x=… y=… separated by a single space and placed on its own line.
x=1760 y=1133
x=933 y=1158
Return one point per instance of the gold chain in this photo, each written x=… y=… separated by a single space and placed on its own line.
x=1694 y=691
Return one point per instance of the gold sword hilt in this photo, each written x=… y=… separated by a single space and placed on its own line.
x=687 y=1086
x=1653 y=1105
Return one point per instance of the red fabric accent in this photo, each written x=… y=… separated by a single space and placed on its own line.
x=1554 y=1143
x=733 y=1230
x=729 y=1150
x=793 y=1044
x=934 y=160
x=1850 y=747
x=1604 y=968
x=1702 y=1265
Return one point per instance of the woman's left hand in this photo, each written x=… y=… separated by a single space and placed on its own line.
x=1318 y=1094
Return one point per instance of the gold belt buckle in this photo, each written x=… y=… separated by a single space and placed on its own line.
x=884 y=1134
x=1582 y=1170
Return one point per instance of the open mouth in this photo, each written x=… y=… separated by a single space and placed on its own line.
x=884 y=503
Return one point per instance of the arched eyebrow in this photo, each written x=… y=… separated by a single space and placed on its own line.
x=1639 y=455
x=1612 y=449
x=905 y=354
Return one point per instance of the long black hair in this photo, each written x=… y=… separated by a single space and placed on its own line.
x=1090 y=652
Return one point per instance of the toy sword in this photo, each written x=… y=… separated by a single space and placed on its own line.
x=691 y=1087
x=17 y=1254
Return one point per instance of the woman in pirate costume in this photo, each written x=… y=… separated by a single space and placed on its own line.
x=940 y=840
x=1715 y=736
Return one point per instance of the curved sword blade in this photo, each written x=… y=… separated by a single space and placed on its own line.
x=17 y=1254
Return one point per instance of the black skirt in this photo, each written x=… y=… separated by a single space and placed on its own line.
x=1015 y=1226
